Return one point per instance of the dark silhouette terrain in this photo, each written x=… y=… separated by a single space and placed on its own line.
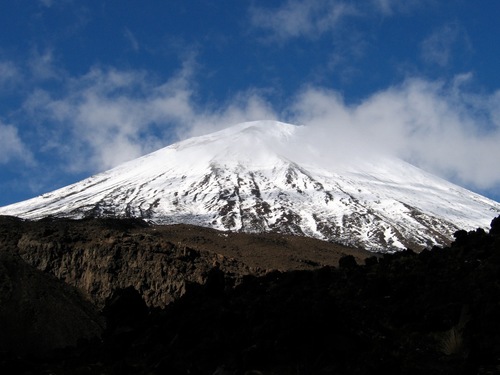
x=436 y=312
x=98 y=256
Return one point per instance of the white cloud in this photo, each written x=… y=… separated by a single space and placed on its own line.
x=301 y=18
x=11 y=145
x=392 y=7
x=9 y=74
x=437 y=48
x=440 y=127
x=42 y=66
x=109 y=116
x=313 y=18
x=246 y=106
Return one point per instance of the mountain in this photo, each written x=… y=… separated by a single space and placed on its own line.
x=266 y=176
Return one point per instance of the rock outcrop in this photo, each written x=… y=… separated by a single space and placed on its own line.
x=98 y=256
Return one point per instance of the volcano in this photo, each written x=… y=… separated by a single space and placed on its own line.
x=265 y=177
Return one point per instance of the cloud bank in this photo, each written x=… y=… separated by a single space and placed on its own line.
x=437 y=126
x=109 y=116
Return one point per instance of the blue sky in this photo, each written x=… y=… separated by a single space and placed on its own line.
x=86 y=85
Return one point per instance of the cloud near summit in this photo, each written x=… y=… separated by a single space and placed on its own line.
x=109 y=116
x=435 y=125
x=113 y=116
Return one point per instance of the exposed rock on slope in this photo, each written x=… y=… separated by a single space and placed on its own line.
x=98 y=256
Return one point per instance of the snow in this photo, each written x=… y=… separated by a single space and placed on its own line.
x=253 y=177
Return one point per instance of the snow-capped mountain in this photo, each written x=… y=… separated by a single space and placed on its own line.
x=264 y=176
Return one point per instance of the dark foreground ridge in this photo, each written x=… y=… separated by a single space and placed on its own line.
x=98 y=256
x=430 y=313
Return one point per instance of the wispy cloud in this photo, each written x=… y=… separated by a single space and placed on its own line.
x=313 y=18
x=393 y=7
x=439 y=46
x=11 y=146
x=134 y=43
x=9 y=74
x=109 y=116
x=296 y=18
x=47 y=3
x=43 y=67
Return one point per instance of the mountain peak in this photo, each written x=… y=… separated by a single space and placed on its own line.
x=265 y=176
x=254 y=142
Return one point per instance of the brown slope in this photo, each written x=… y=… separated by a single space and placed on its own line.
x=263 y=251
x=99 y=256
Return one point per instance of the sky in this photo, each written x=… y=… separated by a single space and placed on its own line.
x=87 y=85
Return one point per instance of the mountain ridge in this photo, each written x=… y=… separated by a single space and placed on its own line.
x=267 y=177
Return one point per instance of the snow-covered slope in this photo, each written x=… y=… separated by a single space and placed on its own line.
x=259 y=176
